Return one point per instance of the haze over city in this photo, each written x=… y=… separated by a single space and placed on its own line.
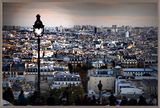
x=97 y=53
x=68 y=14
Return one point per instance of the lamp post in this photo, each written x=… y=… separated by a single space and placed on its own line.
x=38 y=29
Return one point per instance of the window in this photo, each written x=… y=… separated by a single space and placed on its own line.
x=20 y=73
x=67 y=79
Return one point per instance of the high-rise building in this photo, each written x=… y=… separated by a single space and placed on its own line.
x=127 y=34
x=95 y=30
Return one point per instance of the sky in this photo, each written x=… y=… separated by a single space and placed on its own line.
x=68 y=14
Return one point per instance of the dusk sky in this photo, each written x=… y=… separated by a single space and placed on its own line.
x=79 y=13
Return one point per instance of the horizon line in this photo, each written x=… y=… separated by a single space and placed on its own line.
x=84 y=25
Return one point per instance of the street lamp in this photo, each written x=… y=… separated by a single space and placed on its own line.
x=38 y=29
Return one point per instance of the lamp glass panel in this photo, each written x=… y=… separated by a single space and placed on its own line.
x=38 y=32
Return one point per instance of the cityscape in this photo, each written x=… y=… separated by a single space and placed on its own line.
x=73 y=61
x=95 y=53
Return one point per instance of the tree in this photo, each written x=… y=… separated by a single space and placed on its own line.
x=70 y=67
x=83 y=72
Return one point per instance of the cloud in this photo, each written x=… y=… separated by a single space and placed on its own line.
x=70 y=13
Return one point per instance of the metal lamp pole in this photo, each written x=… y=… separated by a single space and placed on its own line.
x=38 y=62
x=38 y=29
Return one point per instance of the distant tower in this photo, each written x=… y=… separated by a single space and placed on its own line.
x=56 y=28
x=61 y=29
x=114 y=27
x=95 y=30
x=127 y=34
